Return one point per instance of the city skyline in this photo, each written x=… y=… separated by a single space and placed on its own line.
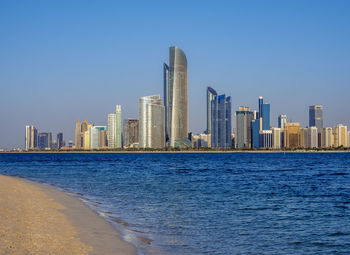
x=52 y=67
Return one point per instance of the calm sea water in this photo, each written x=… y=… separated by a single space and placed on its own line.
x=208 y=203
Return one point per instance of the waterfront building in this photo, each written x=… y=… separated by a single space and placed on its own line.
x=303 y=138
x=95 y=136
x=316 y=116
x=221 y=122
x=276 y=138
x=44 y=141
x=59 y=140
x=340 y=136
x=312 y=137
x=211 y=95
x=264 y=114
x=327 y=137
x=348 y=139
x=78 y=135
x=265 y=138
x=130 y=133
x=151 y=122
x=31 y=138
x=243 y=135
x=114 y=131
x=256 y=133
x=292 y=135
x=80 y=129
x=200 y=140
x=103 y=140
x=176 y=99
x=282 y=120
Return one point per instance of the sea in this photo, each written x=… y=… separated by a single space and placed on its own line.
x=207 y=203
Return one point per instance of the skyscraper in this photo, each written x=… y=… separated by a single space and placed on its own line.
x=276 y=138
x=151 y=122
x=211 y=94
x=292 y=135
x=111 y=130
x=327 y=137
x=130 y=133
x=312 y=137
x=31 y=138
x=255 y=133
x=316 y=116
x=95 y=137
x=243 y=135
x=220 y=118
x=114 y=132
x=340 y=136
x=59 y=140
x=78 y=140
x=44 y=141
x=176 y=99
x=282 y=120
x=264 y=114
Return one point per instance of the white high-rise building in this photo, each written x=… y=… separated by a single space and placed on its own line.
x=118 y=118
x=31 y=139
x=340 y=135
x=151 y=122
x=276 y=138
x=312 y=137
x=327 y=137
x=114 y=131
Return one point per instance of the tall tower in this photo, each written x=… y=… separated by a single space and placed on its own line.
x=114 y=132
x=151 y=122
x=176 y=98
x=31 y=141
x=316 y=116
x=211 y=94
x=78 y=134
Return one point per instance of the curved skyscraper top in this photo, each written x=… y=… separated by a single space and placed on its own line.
x=211 y=94
x=176 y=98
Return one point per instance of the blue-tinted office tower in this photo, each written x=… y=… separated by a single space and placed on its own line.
x=264 y=113
x=211 y=94
x=261 y=101
x=228 y=121
x=255 y=133
x=220 y=121
x=316 y=116
x=266 y=116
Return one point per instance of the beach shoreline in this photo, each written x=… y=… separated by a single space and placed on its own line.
x=39 y=219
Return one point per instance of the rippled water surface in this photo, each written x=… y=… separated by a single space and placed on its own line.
x=263 y=203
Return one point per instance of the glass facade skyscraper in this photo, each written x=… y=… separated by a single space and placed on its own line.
x=211 y=94
x=176 y=98
x=114 y=132
x=244 y=117
x=316 y=116
x=264 y=113
x=219 y=120
x=151 y=122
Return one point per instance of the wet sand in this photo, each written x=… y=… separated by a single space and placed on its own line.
x=37 y=219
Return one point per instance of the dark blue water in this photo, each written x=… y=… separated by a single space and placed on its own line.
x=208 y=203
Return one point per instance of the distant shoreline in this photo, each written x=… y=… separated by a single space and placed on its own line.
x=180 y=151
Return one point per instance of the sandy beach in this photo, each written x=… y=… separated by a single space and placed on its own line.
x=37 y=219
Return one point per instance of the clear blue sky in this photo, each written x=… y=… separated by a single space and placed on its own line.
x=66 y=60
